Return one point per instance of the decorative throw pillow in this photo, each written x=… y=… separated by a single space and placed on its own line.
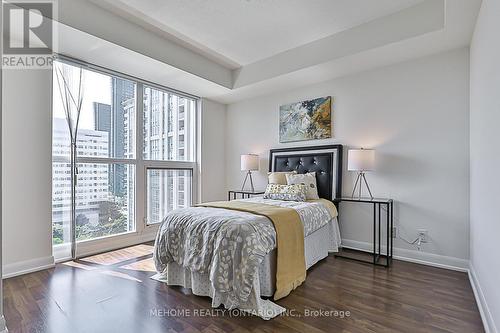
x=307 y=179
x=279 y=177
x=296 y=192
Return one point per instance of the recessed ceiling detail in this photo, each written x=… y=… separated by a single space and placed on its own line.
x=248 y=31
x=249 y=48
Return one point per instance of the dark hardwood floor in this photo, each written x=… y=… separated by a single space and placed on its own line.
x=112 y=292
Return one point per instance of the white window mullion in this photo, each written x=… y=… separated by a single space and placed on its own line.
x=140 y=196
x=175 y=129
x=196 y=154
x=104 y=160
x=187 y=129
x=169 y=164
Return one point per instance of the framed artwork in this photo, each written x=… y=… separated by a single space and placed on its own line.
x=307 y=120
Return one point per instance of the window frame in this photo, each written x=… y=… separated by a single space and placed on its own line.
x=143 y=231
x=144 y=164
x=154 y=167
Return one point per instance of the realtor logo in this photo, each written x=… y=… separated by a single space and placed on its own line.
x=28 y=34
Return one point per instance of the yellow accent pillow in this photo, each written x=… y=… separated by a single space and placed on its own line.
x=279 y=177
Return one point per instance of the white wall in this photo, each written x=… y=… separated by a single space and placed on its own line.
x=212 y=161
x=485 y=161
x=26 y=174
x=415 y=114
x=3 y=327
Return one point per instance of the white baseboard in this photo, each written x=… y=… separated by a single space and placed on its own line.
x=418 y=257
x=27 y=266
x=486 y=317
x=84 y=249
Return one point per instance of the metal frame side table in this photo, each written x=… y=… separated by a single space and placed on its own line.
x=377 y=227
x=243 y=194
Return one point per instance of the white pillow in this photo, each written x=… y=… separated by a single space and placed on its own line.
x=278 y=177
x=308 y=179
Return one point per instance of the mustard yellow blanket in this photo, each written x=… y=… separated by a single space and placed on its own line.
x=291 y=264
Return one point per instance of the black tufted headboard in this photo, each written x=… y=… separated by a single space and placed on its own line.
x=326 y=161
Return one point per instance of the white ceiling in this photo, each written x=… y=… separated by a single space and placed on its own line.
x=260 y=47
x=244 y=31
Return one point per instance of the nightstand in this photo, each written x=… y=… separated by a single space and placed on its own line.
x=376 y=254
x=243 y=194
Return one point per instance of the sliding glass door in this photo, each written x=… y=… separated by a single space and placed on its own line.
x=136 y=157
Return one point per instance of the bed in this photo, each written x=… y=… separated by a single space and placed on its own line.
x=188 y=258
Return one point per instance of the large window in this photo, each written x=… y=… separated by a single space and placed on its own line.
x=136 y=156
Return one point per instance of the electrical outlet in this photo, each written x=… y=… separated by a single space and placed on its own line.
x=423 y=234
x=394 y=232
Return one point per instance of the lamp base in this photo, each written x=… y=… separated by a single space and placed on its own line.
x=361 y=177
x=248 y=175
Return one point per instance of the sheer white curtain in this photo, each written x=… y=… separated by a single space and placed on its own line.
x=70 y=84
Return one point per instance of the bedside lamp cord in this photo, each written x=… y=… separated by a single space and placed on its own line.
x=417 y=241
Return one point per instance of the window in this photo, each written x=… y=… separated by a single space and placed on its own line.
x=136 y=156
x=169 y=136
x=166 y=191
x=101 y=211
x=168 y=139
x=105 y=189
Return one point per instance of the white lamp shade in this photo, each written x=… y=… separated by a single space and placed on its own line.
x=361 y=160
x=249 y=162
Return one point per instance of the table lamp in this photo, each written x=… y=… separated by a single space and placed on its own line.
x=361 y=160
x=249 y=163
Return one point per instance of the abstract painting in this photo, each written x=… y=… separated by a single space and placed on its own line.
x=307 y=120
